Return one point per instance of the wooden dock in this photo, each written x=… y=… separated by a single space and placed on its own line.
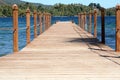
x=63 y=52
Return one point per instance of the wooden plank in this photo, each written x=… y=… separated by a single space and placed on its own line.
x=63 y=52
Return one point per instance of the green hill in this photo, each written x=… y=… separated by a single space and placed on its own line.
x=10 y=2
x=56 y=10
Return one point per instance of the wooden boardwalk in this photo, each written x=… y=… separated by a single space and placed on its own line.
x=63 y=52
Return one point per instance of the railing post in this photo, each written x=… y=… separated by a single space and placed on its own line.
x=28 y=25
x=44 y=16
x=79 y=19
x=35 y=24
x=103 y=25
x=95 y=23
x=50 y=19
x=47 y=20
x=118 y=28
x=15 y=28
x=40 y=22
x=85 y=28
x=90 y=22
x=82 y=20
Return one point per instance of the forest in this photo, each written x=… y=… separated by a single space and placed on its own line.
x=56 y=10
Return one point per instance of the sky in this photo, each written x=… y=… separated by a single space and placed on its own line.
x=103 y=3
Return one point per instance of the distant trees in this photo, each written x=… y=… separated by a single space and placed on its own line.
x=5 y=10
x=55 y=10
x=110 y=11
x=94 y=5
x=68 y=10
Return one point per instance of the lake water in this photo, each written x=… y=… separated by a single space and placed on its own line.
x=6 y=37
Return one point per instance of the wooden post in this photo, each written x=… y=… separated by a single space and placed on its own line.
x=35 y=24
x=15 y=28
x=44 y=21
x=28 y=25
x=95 y=23
x=47 y=20
x=40 y=22
x=118 y=28
x=90 y=22
x=84 y=20
x=50 y=19
x=103 y=25
x=79 y=19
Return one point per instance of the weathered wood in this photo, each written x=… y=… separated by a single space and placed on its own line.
x=95 y=23
x=63 y=52
x=40 y=22
x=79 y=19
x=15 y=28
x=84 y=20
x=35 y=24
x=103 y=25
x=118 y=28
x=50 y=19
x=90 y=22
x=47 y=20
x=28 y=25
x=44 y=20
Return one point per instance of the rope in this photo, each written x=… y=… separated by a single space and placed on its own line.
x=22 y=28
x=6 y=29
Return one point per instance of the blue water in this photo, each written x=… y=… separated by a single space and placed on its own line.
x=6 y=42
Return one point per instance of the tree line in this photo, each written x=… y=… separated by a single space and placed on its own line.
x=55 y=10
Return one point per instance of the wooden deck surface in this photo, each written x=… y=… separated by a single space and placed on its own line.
x=63 y=52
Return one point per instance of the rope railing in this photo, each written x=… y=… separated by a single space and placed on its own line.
x=82 y=22
x=40 y=20
x=6 y=29
x=20 y=28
